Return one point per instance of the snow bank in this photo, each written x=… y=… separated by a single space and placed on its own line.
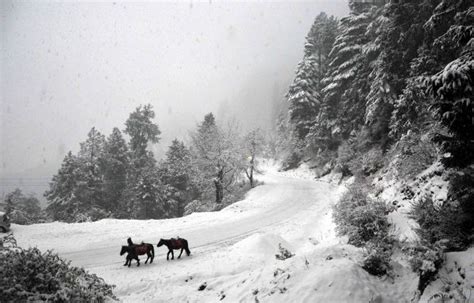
x=260 y=246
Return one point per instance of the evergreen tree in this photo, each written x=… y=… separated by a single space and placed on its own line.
x=400 y=38
x=453 y=93
x=304 y=92
x=91 y=156
x=345 y=85
x=142 y=194
x=446 y=57
x=411 y=112
x=63 y=202
x=304 y=97
x=320 y=40
x=115 y=164
x=178 y=172
x=443 y=42
x=142 y=130
x=150 y=199
x=31 y=206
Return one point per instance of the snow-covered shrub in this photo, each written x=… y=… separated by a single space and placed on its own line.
x=425 y=260
x=18 y=216
x=351 y=159
x=31 y=275
x=371 y=161
x=446 y=222
x=7 y=242
x=360 y=217
x=346 y=154
x=377 y=257
x=283 y=253
x=461 y=195
x=292 y=161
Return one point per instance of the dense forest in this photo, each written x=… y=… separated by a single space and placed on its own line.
x=385 y=95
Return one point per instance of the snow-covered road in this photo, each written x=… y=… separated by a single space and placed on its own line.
x=281 y=199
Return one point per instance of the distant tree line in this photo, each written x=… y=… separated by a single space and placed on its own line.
x=114 y=177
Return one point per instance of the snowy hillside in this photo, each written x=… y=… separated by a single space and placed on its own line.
x=233 y=251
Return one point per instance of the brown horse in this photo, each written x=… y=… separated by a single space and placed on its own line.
x=172 y=243
x=133 y=251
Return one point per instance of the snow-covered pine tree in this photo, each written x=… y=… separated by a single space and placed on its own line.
x=142 y=197
x=150 y=198
x=303 y=96
x=399 y=39
x=178 y=173
x=320 y=40
x=304 y=93
x=90 y=157
x=61 y=196
x=115 y=164
x=142 y=131
x=345 y=85
x=452 y=89
x=448 y=28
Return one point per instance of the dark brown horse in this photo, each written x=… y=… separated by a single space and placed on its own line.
x=172 y=244
x=133 y=251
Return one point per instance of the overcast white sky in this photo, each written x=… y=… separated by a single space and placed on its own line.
x=68 y=66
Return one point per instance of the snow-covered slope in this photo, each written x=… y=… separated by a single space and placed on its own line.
x=233 y=251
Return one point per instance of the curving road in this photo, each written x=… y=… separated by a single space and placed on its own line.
x=281 y=199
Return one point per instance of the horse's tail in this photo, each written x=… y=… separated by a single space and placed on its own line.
x=186 y=247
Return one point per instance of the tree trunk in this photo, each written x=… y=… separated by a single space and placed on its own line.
x=218 y=183
x=251 y=173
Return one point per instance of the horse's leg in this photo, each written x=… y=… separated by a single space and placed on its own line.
x=179 y=257
x=168 y=255
x=148 y=257
x=186 y=247
x=129 y=260
x=172 y=255
x=138 y=261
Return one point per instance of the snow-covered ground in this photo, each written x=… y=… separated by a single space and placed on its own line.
x=233 y=251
